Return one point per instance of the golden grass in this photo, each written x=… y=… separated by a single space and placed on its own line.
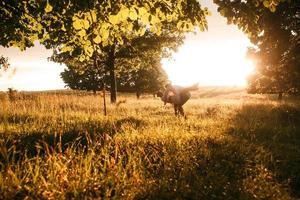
x=231 y=146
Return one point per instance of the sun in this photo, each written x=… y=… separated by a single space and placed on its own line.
x=210 y=64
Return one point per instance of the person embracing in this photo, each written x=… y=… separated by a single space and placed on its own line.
x=177 y=96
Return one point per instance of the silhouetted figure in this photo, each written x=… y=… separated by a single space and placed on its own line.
x=177 y=96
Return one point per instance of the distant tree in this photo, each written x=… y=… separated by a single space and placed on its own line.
x=4 y=63
x=5 y=67
x=148 y=77
x=274 y=29
x=131 y=61
x=145 y=78
x=90 y=78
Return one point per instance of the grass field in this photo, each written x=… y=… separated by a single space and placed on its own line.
x=231 y=146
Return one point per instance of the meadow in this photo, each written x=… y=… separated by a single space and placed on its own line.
x=59 y=145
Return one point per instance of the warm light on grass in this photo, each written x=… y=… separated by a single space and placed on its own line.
x=57 y=146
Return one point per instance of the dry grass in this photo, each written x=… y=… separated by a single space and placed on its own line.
x=237 y=146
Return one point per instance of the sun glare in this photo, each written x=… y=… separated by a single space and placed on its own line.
x=218 y=64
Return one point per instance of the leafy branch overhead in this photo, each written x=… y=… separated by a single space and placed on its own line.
x=239 y=12
x=84 y=27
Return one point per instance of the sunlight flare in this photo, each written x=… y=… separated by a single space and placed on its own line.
x=219 y=64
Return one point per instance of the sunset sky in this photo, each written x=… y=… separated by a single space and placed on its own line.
x=214 y=58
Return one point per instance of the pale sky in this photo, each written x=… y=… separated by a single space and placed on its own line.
x=33 y=71
x=215 y=57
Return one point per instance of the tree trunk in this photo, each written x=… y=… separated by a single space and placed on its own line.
x=113 y=81
x=96 y=65
x=138 y=94
x=104 y=100
x=113 y=86
x=280 y=96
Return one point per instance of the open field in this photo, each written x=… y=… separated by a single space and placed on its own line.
x=231 y=146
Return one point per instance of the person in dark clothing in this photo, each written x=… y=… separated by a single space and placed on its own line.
x=177 y=96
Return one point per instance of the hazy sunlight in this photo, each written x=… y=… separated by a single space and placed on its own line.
x=219 y=64
x=215 y=57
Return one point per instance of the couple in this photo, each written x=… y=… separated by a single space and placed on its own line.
x=177 y=96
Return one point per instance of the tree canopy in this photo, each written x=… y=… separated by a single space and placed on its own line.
x=83 y=27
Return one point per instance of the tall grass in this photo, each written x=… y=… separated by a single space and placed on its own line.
x=57 y=146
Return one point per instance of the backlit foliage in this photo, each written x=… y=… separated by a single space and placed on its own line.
x=84 y=27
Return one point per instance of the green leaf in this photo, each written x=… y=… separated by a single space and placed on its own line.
x=105 y=34
x=123 y=14
x=266 y=3
x=133 y=14
x=272 y=8
x=113 y=19
x=48 y=8
x=120 y=40
x=145 y=18
x=81 y=58
x=142 y=11
x=66 y=49
x=63 y=28
x=97 y=39
x=81 y=33
x=89 y=50
x=86 y=23
x=77 y=24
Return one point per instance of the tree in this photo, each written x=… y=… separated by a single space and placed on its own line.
x=131 y=63
x=4 y=63
x=148 y=77
x=274 y=31
x=145 y=78
x=90 y=78
x=131 y=54
x=93 y=30
x=5 y=67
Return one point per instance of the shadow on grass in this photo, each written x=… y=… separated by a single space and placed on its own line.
x=16 y=145
x=197 y=169
x=258 y=157
x=273 y=134
x=131 y=121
